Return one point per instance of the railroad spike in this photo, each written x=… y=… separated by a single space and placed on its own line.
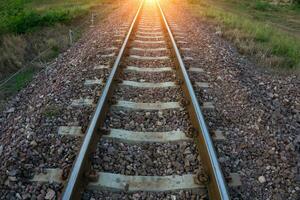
x=192 y=132
x=189 y=134
x=65 y=173
x=118 y=80
x=228 y=178
x=92 y=176
x=184 y=102
x=201 y=178
x=179 y=82
x=104 y=131
x=112 y=101
x=126 y=187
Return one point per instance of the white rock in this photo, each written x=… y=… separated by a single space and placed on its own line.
x=33 y=143
x=50 y=194
x=262 y=179
x=18 y=196
x=219 y=33
x=160 y=114
x=11 y=110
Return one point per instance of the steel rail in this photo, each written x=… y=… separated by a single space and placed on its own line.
x=217 y=187
x=77 y=178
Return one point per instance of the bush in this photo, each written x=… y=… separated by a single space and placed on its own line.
x=25 y=21
x=262 y=5
x=17 y=18
x=22 y=22
x=12 y=54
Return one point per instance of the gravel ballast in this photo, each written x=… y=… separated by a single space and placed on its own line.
x=256 y=108
x=164 y=120
x=153 y=159
x=29 y=140
x=145 y=95
x=183 y=194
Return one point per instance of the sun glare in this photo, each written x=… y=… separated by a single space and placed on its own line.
x=150 y=2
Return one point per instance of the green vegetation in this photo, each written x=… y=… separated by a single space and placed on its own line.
x=20 y=16
x=29 y=28
x=269 y=33
x=263 y=5
x=51 y=111
x=17 y=83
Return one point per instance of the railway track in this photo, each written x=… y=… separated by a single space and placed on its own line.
x=147 y=129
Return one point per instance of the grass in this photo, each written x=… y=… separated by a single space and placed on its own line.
x=263 y=5
x=18 y=82
x=247 y=24
x=51 y=111
x=14 y=85
x=29 y=27
x=19 y=16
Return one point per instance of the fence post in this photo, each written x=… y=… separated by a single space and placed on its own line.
x=71 y=37
x=92 y=20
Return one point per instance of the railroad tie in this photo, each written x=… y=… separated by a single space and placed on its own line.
x=101 y=67
x=137 y=57
x=120 y=32
x=111 y=48
x=196 y=69
x=147 y=106
x=150 y=33
x=149 y=49
x=187 y=58
x=119 y=35
x=112 y=181
x=179 y=33
x=93 y=82
x=148 y=85
x=50 y=175
x=202 y=84
x=82 y=102
x=150 y=37
x=185 y=49
x=121 y=182
x=149 y=42
x=70 y=130
x=208 y=106
x=108 y=55
x=149 y=29
x=147 y=137
x=118 y=41
x=180 y=37
x=144 y=69
x=218 y=135
x=182 y=42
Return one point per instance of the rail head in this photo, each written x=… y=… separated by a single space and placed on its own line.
x=217 y=187
x=77 y=176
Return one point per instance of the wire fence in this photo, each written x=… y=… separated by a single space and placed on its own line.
x=72 y=35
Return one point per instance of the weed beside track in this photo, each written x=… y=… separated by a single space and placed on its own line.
x=268 y=33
